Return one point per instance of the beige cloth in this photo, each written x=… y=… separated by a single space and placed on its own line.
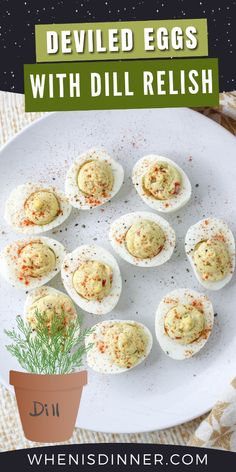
x=218 y=430
x=13 y=119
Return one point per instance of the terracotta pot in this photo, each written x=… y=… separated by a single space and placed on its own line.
x=48 y=404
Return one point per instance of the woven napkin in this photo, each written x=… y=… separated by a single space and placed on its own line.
x=218 y=430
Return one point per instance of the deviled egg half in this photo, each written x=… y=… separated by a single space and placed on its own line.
x=210 y=248
x=117 y=346
x=161 y=183
x=33 y=209
x=142 y=238
x=91 y=276
x=184 y=321
x=49 y=302
x=30 y=263
x=93 y=179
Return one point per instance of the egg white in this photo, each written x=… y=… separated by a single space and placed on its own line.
x=100 y=362
x=77 y=198
x=119 y=228
x=206 y=229
x=183 y=296
x=163 y=206
x=15 y=212
x=41 y=292
x=9 y=267
x=71 y=263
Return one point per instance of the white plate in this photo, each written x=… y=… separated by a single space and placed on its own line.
x=161 y=392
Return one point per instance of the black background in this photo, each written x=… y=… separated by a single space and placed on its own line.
x=217 y=460
x=18 y=17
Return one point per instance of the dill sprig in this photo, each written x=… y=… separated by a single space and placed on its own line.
x=58 y=350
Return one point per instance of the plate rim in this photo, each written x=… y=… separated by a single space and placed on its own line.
x=48 y=114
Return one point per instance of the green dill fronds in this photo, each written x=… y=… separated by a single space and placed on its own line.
x=58 y=349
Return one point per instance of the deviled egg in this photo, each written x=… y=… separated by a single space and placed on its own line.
x=33 y=209
x=210 y=248
x=142 y=238
x=184 y=321
x=93 y=179
x=30 y=263
x=49 y=302
x=91 y=276
x=117 y=346
x=161 y=183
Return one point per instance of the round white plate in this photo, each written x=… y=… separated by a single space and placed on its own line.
x=161 y=392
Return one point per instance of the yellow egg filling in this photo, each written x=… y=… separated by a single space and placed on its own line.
x=42 y=207
x=125 y=344
x=184 y=323
x=95 y=178
x=162 y=181
x=36 y=259
x=93 y=280
x=145 y=239
x=212 y=259
x=52 y=305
